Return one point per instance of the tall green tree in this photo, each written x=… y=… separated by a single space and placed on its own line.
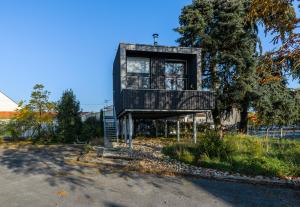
x=228 y=52
x=68 y=117
x=41 y=107
x=276 y=104
x=34 y=117
x=279 y=18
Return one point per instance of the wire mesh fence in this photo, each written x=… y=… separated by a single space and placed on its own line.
x=276 y=132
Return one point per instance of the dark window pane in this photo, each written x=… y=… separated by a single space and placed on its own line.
x=138 y=82
x=132 y=82
x=171 y=83
x=181 y=84
x=144 y=82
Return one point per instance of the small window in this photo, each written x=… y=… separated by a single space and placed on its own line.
x=138 y=65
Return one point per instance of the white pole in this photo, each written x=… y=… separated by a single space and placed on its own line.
x=194 y=129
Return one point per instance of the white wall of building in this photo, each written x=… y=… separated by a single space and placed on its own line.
x=6 y=104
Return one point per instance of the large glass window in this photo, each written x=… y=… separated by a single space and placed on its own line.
x=138 y=73
x=138 y=65
x=175 y=75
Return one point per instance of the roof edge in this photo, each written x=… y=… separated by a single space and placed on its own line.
x=122 y=44
x=9 y=97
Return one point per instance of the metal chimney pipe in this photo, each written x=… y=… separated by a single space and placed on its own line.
x=155 y=37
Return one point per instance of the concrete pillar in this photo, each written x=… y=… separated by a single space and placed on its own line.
x=156 y=128
x=178 y=130
x=125 y=129
x=166 y=128
x=121 y=128
x=117 y=130
x=194 y=129
x=130 y=125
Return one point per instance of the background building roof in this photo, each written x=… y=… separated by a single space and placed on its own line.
x=7 y=104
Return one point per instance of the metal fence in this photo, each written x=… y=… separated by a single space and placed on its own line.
x=284 y=132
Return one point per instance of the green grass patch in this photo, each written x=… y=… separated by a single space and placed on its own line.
x=239 y=153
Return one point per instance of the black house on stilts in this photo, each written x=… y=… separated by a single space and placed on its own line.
x=157 y=82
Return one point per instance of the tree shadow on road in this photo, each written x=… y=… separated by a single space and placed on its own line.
x=242 y=194
x=46 y=160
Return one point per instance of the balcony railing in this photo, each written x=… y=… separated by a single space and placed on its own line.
x=156 y=100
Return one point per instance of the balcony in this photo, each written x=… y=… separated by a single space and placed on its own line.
x=155 y=100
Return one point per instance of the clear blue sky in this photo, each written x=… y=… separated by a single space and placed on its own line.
x=72 y=43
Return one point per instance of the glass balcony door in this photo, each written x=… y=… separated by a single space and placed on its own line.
x=175 y=75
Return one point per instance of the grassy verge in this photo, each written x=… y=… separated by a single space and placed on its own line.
x=241 y=154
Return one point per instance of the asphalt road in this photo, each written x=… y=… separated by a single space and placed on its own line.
x=40 y=177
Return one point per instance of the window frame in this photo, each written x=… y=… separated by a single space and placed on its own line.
x=176 y=77
x=145 y=58
x=139 y=75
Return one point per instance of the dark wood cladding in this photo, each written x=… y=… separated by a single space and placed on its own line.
x=159 y=100
x=156 y=101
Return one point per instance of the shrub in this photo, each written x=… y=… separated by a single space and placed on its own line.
x=92 y=129
x=187 y=157
x=15 y=129
x=87 y=148
x=213 y=146
x=182 y=152
x=209 y=145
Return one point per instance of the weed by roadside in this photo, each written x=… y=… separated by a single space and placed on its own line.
x=240 y=154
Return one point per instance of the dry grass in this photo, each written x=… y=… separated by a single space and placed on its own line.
x=24 y=144
x=15 y=145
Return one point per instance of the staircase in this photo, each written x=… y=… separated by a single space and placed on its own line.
x=110 y=126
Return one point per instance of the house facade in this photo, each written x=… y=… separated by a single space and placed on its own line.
x=157 y=82
x=7 y=107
